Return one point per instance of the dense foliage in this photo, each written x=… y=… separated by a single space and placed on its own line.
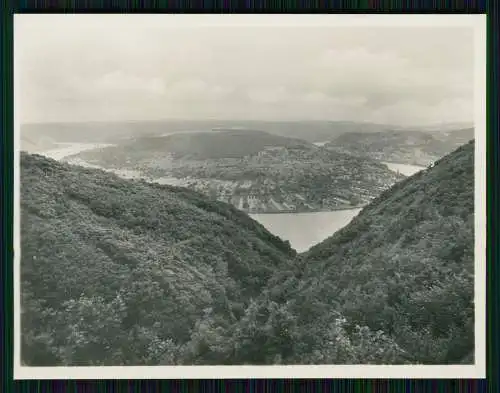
x=117 y=271
x=125 y=272
x=405 y=264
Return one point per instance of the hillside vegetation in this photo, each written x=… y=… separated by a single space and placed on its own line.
x=402 y=146
x=395 y=286
x=125 y=272
x=404 y=266
x=255 y=171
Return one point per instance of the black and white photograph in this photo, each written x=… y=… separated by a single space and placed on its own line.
x=284 y=194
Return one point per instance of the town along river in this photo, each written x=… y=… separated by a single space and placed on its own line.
x=302 y=230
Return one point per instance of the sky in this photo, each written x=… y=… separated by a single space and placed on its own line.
x=153 y=67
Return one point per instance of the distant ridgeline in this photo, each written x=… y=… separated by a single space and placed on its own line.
x=122 y=272
x=406 y=147
x=255 y=171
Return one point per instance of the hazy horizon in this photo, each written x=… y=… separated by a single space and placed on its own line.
x=222 y=120
x=126 y=68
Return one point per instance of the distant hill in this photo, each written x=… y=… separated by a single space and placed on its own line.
x=443 y=127
x=322 y=131
x=254 y=170
x=116 y=271
x=406 y=147
x=317 y=131
x=309 y=130
x=455 y=137
x=209 y=145
x=103 y=132
x=403 y=267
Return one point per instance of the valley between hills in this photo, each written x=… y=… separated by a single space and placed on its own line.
x=128 y=272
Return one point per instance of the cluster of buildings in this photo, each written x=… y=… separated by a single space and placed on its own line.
x=278 y=179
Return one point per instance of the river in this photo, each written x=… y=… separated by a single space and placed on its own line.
x=302 y=230
x=68 y=149
x=404 y=169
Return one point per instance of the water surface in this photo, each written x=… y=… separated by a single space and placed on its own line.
x=304 y=230
x=68 y=149
x=404 y=169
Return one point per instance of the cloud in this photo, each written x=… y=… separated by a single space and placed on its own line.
x=123 y=82
x=71 y=67
x=189 y=90
x=448 y=110
x=270 y=95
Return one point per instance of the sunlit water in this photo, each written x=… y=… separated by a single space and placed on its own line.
x=304 y=230
x=404 y=169
x=68 y=149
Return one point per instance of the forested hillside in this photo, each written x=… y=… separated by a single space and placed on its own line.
x=125 y=272
x=404 y=266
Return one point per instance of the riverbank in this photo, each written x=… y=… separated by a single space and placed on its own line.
x=175 y=182
x=403 y=163
x=66 y=150
x=340 y=208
